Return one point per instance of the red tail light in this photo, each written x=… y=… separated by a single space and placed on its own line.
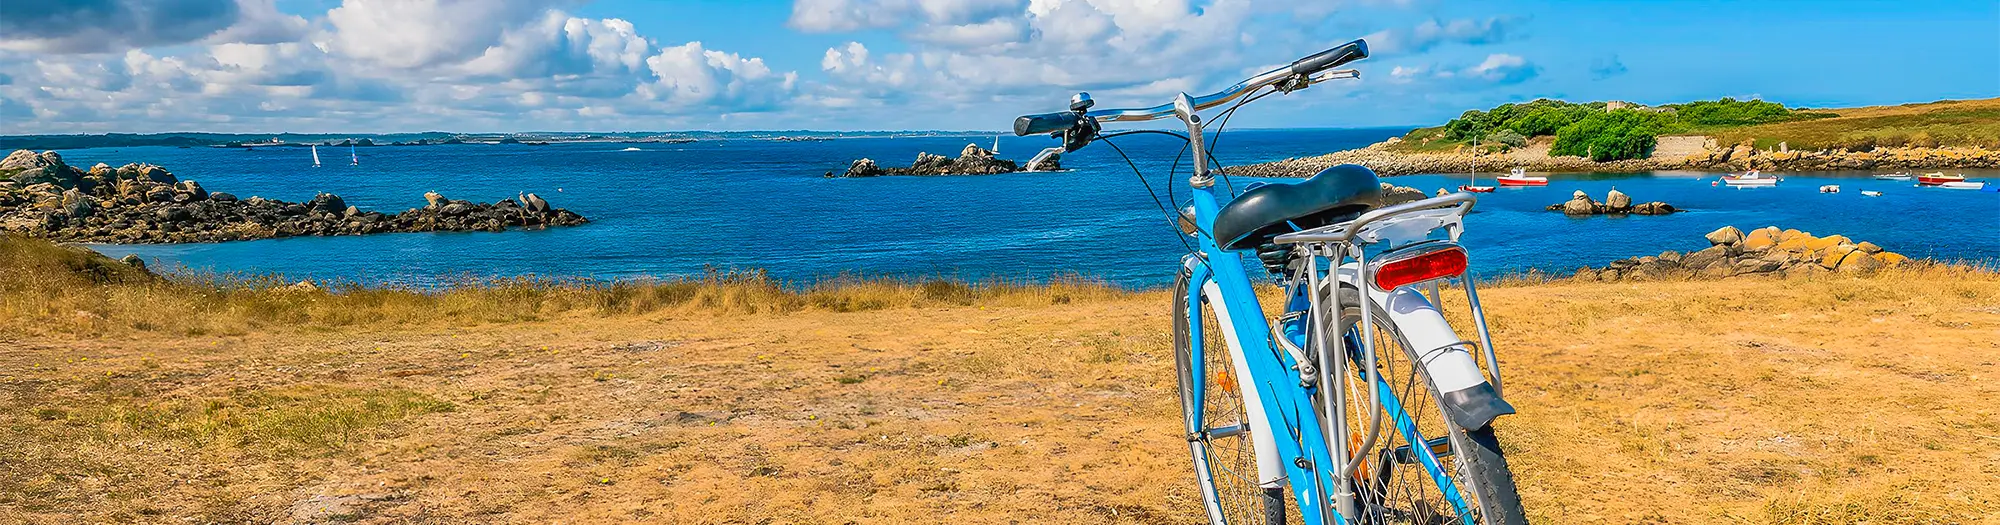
x=1445 y=261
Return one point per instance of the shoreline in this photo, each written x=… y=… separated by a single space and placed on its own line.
x=1674 y=154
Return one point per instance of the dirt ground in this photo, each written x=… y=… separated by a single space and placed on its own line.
x=1832 y=400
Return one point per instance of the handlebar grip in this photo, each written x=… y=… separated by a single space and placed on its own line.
x=1331 y=58
x=1038 y=124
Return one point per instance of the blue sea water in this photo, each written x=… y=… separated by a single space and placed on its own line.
x=738 y=204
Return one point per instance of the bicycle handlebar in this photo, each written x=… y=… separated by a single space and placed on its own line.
x=1296 y=75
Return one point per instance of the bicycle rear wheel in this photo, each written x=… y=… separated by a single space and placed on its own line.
x=1397 y=484
x=1219 y=427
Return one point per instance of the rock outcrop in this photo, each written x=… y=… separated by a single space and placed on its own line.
x=143 y=203
x=1764 y=251
x=1615 y=203
x=972 y=160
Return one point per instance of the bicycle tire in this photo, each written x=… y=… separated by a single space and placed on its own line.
x=1477 y=457
x=1238 y=500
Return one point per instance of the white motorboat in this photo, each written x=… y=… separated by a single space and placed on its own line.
x=1751 y=178
x=1871 y=193
x=1519 y=177
x=1830 y=188
x=1894 y=176
x=1961 y=185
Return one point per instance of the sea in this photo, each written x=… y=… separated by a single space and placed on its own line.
x=741 y=204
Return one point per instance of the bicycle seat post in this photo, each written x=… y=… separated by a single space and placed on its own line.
x=1184 y=108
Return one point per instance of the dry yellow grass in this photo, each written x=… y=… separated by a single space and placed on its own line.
x=1805 y=401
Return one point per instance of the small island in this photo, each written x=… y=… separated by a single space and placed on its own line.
x=972 y=160
x=1720 y=135
x=41 y=196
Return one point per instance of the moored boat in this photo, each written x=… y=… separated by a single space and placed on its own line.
x=1871 y=193
x=1894 y=176
x=1938 y=178
x=1475 y=189
x=1520 y=177
x=1751 y=178
x=1830 y=188
x=1961 y=185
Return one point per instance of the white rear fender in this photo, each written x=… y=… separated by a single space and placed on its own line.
x=1470 y=400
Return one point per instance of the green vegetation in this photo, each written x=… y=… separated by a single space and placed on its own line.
x=1595 y=130
x=1614 y=135
x=1959 y=123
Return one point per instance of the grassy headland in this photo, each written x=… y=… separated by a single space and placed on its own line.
x=1556 y=136
x=1812 y=399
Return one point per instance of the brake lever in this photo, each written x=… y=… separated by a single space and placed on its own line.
x=1336 y=75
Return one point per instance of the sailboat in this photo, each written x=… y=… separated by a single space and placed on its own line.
x=352 y=157
x=1472 y=186
x=315 y=155
x=996 y=145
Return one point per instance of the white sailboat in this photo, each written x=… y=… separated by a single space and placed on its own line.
x=355 y=159
x=315 y=155
x=996 y=145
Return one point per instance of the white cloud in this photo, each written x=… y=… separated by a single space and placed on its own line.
x=410 y=34
x=1432 y=33
x=380 y=64
x=1502 y=68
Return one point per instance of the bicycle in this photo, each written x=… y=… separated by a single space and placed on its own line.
x=1282 y=402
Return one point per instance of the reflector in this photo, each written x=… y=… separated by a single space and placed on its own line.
x=1423 y=266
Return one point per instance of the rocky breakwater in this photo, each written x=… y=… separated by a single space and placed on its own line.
x=1615 y=203
x=973 y=160
x=42 y=196
x=1763 y=251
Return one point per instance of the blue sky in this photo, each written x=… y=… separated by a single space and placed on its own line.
x=91 y=66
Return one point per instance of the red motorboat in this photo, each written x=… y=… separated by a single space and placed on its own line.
x=1938 y=178
x=1476 y=189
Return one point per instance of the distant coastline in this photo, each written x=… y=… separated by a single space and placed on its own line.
x=1731 y=135
x=432 y=138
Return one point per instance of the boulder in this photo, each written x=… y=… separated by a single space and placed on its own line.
x=1726 y=236
x=1706 y=257
x=134 y=261
x=1869 y=247
x=192 y=189
x=1579 y=205
x=1859 y=261
x=22 y=159
x=1617 y=199
x=535 y=203
x=1832 y=257
x=1889 y=259
x=1392 y=194
x=222 y=197
x=326 y=203
x=1829 y=241
x=456 y=209
x=1761 y=239
x=974 y=151
x=1750 y=266
x=433 y=199
x=1655 y=208
x=863 y=168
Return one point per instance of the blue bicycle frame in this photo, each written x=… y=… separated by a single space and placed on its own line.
x=1309 y=465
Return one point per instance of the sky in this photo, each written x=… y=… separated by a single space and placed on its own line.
x=377 y=66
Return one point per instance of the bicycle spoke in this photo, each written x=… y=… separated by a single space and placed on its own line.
x=1403 y=491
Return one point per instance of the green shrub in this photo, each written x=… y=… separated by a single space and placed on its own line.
x=1507 y=137
x=1615 y=135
